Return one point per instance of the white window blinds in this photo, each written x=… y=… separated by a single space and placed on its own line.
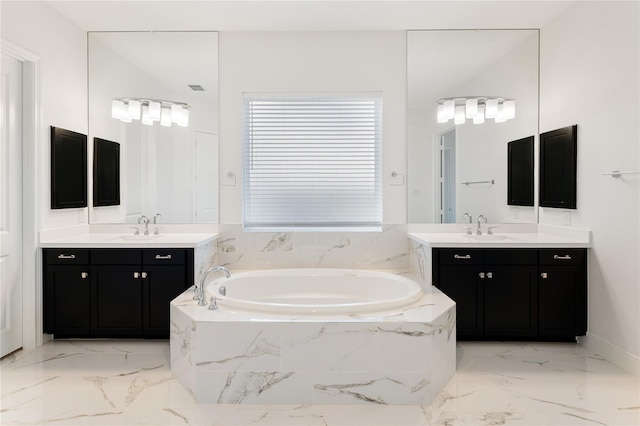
x=312 y=162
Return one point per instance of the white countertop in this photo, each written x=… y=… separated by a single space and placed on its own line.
x=546 y=236
x=85 y=237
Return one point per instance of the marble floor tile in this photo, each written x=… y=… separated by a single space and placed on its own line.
x=112 y=382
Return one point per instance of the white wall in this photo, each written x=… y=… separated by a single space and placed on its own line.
x=312 y=62
x=62 y=48
x=590 y=77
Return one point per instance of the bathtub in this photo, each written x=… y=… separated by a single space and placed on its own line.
x=327 y=336
x=315 y=291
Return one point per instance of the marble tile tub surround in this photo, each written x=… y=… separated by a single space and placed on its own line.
x=385 y=250
x=67 y=382
x=231 y=357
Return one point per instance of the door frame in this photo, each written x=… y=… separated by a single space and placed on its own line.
x=32 y=139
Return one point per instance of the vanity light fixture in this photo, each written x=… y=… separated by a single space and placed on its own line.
x=150 y=111
x=476 y=108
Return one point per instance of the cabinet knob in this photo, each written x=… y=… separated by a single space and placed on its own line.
x=136 y=275
x=84 y=275
x=489 y=275
x=481 y=275
x=144 y=275
x=543 y=275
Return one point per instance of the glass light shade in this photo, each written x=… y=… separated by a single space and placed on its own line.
x=183 y=118
x=459 y=117
x=479 y=118
x=449 y=109
x=509 y=109
x=118 y=109
x=154 y=110
x=165 y=117
x=175 y=112
x=440 y=114
x=146 y=118
x=500 y=117
x=471 y=107
x=491 y=108
x=134 y=109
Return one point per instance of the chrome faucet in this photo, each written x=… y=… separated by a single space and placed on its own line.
x=481 y=217
x=468 y=216
x=200 y=290
x=155 y=221
x=145 y=220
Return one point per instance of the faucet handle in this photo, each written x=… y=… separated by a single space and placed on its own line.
x=137 y=230
x=489 y=231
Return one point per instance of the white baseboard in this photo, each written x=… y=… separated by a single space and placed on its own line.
x=611 y=353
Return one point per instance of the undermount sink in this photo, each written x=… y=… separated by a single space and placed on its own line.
x=492 y=237
x=136 y=237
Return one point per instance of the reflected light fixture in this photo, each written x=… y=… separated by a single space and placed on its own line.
x=476 y=108
x=150 y=111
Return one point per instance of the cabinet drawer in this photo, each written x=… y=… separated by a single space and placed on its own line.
x=163 y=257
x=461 y=256
x=511 y=256
x=66 y=256
x=116 y=256
x=562 y=256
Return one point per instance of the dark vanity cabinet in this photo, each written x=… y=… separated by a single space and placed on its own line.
x=113 y=292
x=522 y=294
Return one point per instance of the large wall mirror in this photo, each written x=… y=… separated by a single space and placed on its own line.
x=170 y=169
x=456 y=169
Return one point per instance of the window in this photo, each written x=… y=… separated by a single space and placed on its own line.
x=312 y=163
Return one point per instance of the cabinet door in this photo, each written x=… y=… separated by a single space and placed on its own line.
x=116 y=300
x=161 y=285
x=563 y=301
x=510 y=308
x=67 y=301
x=462 y=284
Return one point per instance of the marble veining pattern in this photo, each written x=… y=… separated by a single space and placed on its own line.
x=130 y=383
x=385 y=250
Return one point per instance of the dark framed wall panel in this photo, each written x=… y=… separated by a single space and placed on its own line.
x=558 y=160
x=68 y=169
x=106 y=173
x=520 y=172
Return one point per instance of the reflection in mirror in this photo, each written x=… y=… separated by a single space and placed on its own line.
x=462 y=168
x=167 y=170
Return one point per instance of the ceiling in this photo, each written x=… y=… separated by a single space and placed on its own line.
x=307 y=15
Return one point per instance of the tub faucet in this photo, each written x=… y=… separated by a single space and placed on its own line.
x=200 y=291
x=481 y=217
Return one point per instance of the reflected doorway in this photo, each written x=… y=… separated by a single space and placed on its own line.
x=446 y=179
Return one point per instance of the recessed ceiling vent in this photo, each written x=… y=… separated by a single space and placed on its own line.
x=196 y=88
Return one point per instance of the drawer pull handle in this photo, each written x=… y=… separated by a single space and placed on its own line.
x=66 y=256
x=84 y=275
x=161 y=257
x=466 y=256
x=558 y=257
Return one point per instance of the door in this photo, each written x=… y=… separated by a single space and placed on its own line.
x=206 y=177
x=10 y=205
x=446 y=189
x=116 y=300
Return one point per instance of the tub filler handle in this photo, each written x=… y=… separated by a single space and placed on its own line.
x=214 y=304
